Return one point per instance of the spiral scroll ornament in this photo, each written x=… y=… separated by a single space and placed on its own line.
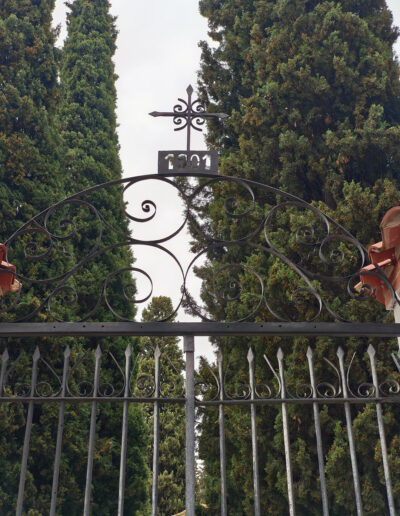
x=278 y=258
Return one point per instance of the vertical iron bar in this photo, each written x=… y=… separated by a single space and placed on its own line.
x=349 y=424
x=286 y=437
x=222 y=448
x=256 y=479
x=4 y=361
x=156 y=432
x=396 y=360
x=124 y=434
x=189 y=119
x=318 y=435
x=28 y=429
x=92 y=433
x=188 y=348
x=60 y=433
x=382 y=437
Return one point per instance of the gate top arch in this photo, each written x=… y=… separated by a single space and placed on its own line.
x=292 y=269
x=317 y=262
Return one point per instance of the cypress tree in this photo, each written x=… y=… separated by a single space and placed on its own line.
x=88 y=122
x=311 y=85
x=314 y=96
x=31 y=180
x=29 y=164
x=30 y=156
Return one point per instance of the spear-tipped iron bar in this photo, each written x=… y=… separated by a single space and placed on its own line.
x=382 y=436
x=318 y=435
x=4 y=361
x=188 y=348
x=253 y=400
x=156 y=432
x=92 y=434
x=124 y=432
x=27 y=438
x=222 y=447
x=253 y=417
x=286 y=437
x=60 y=433
x=349 y=425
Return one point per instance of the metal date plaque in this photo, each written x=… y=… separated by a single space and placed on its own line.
x=189 y=115
x=188 y=162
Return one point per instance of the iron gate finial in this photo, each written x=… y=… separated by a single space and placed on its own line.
x=188 y=114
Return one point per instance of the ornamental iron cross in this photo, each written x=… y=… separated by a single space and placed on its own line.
x=188 y=115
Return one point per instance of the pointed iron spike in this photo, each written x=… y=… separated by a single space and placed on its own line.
x=5 y=356
x=250 y=355
x=396 y=363
x=189 y=89
x=128 y=351
x=67 y=352
x=222 y=115
x=98 y=352
x=371 y=350
x=340 y=352
x=36 y=354
x=154 y=113
x=157 y=352
x=309 y=353
x=280 y=354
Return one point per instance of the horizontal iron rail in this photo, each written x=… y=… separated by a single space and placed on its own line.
x=199 y=403
x=76 y=399
x=301 y=401
x=162 y=329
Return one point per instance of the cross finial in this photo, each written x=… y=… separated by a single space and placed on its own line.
x=189 y=115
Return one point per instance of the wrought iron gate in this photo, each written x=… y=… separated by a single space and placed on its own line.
x=323 y=262
x=46 y=387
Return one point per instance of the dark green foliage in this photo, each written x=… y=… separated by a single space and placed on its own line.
x=37 y=169
x=171 y=479
x=30 y=180
x=314 y=96
x=88 y=122
x=313 y=91
x=88 y=79
x=29 y=167
x=30 y=177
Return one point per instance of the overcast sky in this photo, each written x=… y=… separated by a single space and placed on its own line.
x=157 y=57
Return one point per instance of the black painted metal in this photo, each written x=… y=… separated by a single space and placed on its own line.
x=328 y=383
x=187 y=161
x=206 y=329
x=190 y=114
x=317 y=248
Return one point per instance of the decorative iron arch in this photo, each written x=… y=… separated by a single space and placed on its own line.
x=320 y=259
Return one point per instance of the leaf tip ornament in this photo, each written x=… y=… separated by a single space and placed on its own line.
x=250 y=355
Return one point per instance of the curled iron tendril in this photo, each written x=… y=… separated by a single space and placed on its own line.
x=312 y=246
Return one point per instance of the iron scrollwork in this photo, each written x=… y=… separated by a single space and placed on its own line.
x=321 y=379
x=279 y=252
